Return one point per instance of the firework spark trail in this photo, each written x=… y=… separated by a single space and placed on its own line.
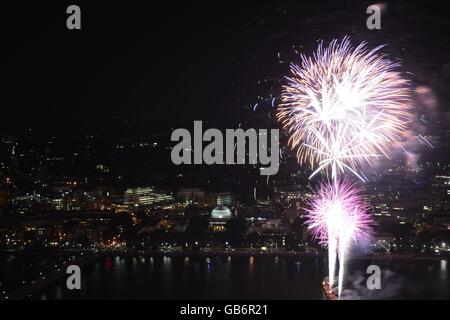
x=343 y=107
x=342 y=251
x=332 y=250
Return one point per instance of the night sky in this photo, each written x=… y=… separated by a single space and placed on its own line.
x=164 y=64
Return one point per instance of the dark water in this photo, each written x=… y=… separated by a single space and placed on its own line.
x=248 y=278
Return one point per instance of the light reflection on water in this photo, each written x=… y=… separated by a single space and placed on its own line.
x=444 y=272
x=236 y=278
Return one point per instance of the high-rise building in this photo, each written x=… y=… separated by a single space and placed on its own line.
x=145 y=196
x=224 y=199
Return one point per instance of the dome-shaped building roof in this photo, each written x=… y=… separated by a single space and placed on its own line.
x=221 y=212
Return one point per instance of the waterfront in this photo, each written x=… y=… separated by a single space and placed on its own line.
x=240 y=277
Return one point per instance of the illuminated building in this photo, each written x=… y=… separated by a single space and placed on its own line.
x=220 y=215
x=224 y=199
x=203 y=199
x=145 y=197
x=190 y=194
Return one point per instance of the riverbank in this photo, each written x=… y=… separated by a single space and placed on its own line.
x=258 y=253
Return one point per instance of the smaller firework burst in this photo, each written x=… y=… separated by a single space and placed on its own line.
x=337 y=215
x=338 y=209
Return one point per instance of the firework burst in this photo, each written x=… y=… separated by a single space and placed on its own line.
x=338 y=209
x=343 y=107
x=337 y=216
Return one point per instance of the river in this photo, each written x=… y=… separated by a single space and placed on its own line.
x=240 y=277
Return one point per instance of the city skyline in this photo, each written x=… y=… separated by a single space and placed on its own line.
x=91 y=119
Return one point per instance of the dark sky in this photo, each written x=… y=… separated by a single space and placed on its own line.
x=192 y=61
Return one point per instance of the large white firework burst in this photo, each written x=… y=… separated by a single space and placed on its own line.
x=344 y=106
